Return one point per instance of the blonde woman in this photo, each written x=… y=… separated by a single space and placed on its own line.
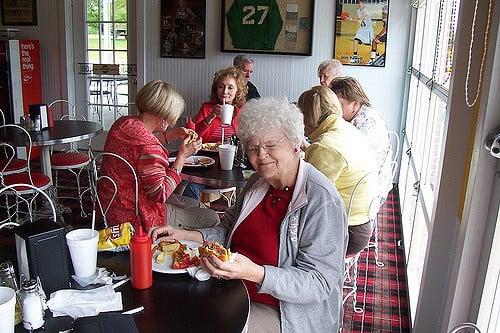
x=341 y=153
x=159 y=106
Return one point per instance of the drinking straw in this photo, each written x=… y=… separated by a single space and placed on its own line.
x=222 y=139
x=93 y=223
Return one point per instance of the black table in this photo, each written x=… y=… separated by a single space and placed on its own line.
x=63 y=131
x=213 y=175
x=175 y=303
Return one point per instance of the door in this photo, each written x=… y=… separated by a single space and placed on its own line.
x=105 y=82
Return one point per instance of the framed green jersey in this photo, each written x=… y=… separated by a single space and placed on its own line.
x=267 y=26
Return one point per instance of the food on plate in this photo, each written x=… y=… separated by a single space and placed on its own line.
x=209 y=248
x=195 y=160
x=210 y=146
x=193 y=136
x=182 y=255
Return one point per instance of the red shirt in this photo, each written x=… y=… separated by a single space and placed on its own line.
x=213 y=132
x=257 y=237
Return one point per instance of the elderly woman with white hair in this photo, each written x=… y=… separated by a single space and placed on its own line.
x=328 y=70
x=288 y=227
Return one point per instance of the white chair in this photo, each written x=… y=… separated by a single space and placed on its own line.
x=209 y=195
x=394 y=157
x=74 y=162
x=351 y=262
x=462 y=326
x=12 y=189
x=9 y=164
x=35 y=179
x=96 y=179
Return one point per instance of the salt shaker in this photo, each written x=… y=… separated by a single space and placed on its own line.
x=32 y=305
x=8 y=279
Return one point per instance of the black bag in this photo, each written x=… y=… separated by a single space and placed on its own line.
x=105 y=323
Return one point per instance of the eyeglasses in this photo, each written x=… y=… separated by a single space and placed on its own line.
x=268 y=146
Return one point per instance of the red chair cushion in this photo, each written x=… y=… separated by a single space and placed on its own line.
x=39 y=180
x=15 y=164
x=68 y=160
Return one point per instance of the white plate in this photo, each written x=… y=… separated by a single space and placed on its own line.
x=166 y=267
x=198 y=161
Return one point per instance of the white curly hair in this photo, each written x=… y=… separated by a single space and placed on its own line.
x=267 y=114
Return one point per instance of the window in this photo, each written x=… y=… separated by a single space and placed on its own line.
x=434 y=29
x=107 y=44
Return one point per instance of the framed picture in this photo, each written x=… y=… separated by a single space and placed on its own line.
x=361 y=32
x=279 y=26
x=183 y=28
x=18 y=12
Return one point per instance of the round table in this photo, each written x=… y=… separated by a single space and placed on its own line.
x=63 y=131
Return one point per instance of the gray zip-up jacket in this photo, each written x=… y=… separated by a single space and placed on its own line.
x=313 y=240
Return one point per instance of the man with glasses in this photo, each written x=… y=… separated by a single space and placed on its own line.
x=245 y=63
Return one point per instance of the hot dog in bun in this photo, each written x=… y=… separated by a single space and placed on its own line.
x=209 y=248
x=193 y=136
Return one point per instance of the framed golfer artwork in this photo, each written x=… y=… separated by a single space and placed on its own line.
x=361 y=32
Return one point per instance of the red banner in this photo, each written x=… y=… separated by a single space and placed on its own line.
x=29 y=51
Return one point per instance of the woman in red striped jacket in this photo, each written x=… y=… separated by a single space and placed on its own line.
x=132 y=137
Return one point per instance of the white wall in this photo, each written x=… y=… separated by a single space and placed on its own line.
x=50 y=31
x=275 y=75
x=278 y=75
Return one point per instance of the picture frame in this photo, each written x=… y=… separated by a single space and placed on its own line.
x=18 y=12
x=281 y=28
x=361 y=32
x=183 y=29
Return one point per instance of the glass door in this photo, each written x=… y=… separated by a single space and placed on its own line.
x=105 y=65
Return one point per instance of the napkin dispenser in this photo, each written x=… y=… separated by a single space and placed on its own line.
x=45 y=115
x=42 y=252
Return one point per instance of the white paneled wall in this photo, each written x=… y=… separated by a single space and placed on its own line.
x=50 y=31
x=281 y=75
x=275 y=75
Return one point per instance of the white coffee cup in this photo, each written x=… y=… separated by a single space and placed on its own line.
x=82 y=245
x=226 y=114
x=226 y=156
x=7 y=309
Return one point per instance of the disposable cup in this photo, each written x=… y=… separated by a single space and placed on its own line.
x=226 y=156
x=82 y=245
x=7 y=309
x=226 y=114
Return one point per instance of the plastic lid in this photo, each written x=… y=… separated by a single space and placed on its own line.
x=140 y=236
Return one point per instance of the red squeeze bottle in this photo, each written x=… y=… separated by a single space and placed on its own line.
x=141 y=260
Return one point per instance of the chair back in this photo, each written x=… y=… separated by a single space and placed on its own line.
x=2 y=118
x=30 y=146
x=97 y=178
x=370 y=179
x=394 y=152
x=460 y=327
x=12 y=188
x=61 y=103
x=128 y=105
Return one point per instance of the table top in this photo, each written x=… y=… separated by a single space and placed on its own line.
x=63 y=131
x=175 y=302
x=213 y=175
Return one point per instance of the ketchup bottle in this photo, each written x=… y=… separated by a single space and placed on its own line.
x=141 y=260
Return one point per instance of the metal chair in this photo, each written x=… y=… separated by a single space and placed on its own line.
x=12 y=188
x=74 y=162
x=394 y=157
x=351 y=262
x=96 y=179
x=208 y=195
x=9 y=164
x=465 y=325
x=35 y=179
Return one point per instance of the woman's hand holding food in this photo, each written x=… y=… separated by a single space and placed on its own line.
x=169 y=233
x=240 y=268
x=190 y=146
x=175 y=133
